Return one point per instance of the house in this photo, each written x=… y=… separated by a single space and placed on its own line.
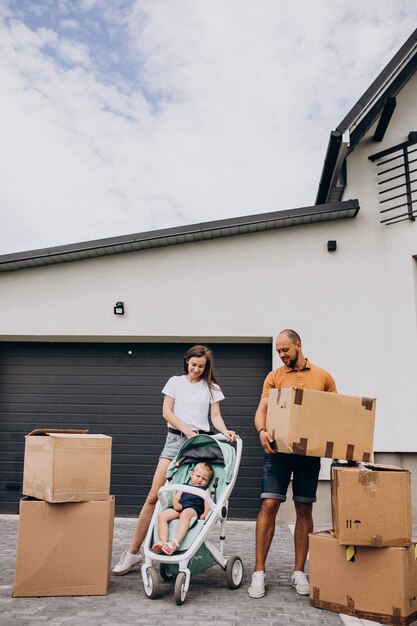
x=342 y=272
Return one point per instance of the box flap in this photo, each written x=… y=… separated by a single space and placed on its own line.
x=78 y=436
x=384 y=468
x=377 y=467
x=47 y=431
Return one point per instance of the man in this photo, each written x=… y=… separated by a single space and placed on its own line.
x=297 y=371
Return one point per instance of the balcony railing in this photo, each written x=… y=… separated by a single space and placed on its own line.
x=397 y=181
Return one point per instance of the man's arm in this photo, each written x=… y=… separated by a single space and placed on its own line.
x=330 y=384
x=260 y=424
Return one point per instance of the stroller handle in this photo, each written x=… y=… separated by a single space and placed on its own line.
x=188 y=489
x=221 y=437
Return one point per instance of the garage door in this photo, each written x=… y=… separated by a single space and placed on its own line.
x=115 y=389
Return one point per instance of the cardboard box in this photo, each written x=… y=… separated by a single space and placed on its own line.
x=66 y=466
x=371 y=505
x=318 y=423
x=380 y=584
x=64 y=549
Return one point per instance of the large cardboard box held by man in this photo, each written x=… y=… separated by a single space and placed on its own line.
x=377 y=584
x=318 y=423
x=66 y=466
x=371 y=505
x=64 y=549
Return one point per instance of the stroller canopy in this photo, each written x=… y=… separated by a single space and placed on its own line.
x=204 y=448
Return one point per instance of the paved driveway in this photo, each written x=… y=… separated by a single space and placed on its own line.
x=208 y=599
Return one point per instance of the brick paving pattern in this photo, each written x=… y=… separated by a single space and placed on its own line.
x=208 y=599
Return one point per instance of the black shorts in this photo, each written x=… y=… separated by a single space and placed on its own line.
x=278 y=469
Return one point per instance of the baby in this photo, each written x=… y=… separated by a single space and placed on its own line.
x=185 y=506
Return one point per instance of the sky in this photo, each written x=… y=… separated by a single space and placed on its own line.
x=125 y=116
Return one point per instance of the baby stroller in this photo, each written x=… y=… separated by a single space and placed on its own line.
x=196 y=553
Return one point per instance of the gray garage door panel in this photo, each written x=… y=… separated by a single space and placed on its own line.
x=103 y=388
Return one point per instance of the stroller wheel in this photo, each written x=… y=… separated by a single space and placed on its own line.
x=234 y=572
x=179 y=591
x=152 y=583
x=166 y=574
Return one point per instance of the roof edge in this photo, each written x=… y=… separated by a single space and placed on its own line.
x=394 y=75
x=404 y=54
x=177 y=235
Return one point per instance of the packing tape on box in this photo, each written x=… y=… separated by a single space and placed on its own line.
x=368 y=403
x=350 y=603
x=329 y=449
x=368 y=478
x=350 y=449
x=300 y=447
x=298 y=396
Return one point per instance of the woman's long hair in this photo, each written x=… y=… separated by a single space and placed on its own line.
x=208 y=375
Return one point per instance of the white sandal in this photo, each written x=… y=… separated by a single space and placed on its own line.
x=170 y=547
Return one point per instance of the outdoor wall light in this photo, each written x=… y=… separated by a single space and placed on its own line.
x=119 y=308
x=332 y=245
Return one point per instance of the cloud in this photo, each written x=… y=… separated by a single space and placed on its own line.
x=135 y=115
x=72 y=53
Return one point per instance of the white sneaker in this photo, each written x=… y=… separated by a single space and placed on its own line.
x=300 y=583
x=127 y=562
x=257 y=586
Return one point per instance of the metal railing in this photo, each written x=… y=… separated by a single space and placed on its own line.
x=397 y=181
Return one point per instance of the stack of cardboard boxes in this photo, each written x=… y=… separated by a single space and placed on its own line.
x=66 y=517
x=367 y=565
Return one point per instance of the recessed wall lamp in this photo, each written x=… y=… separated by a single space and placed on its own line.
x=119 y=308
x=332 y=245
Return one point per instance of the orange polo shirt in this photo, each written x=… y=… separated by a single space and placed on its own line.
x=309 y=377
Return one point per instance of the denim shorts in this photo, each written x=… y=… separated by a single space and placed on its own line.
x=173 y=444
x=277 y=472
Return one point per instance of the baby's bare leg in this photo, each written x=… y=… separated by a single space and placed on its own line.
x=163 y=518
x=183 y=525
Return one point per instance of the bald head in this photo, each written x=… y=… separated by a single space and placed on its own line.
x=291 y=334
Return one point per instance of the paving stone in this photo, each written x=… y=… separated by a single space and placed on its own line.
x=208 y=599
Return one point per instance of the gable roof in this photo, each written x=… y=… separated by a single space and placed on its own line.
x=179 y=235
x=378 y=99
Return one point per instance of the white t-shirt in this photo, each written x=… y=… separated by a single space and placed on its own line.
x=192 y=400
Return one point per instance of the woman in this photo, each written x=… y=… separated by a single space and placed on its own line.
x=188 y=400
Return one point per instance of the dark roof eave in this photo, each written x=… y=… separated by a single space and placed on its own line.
x=178 y=235
x=379 y=81
x=330 y=160
x=329 y=172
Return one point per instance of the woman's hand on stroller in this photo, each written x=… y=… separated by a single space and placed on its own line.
x=231 y=435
